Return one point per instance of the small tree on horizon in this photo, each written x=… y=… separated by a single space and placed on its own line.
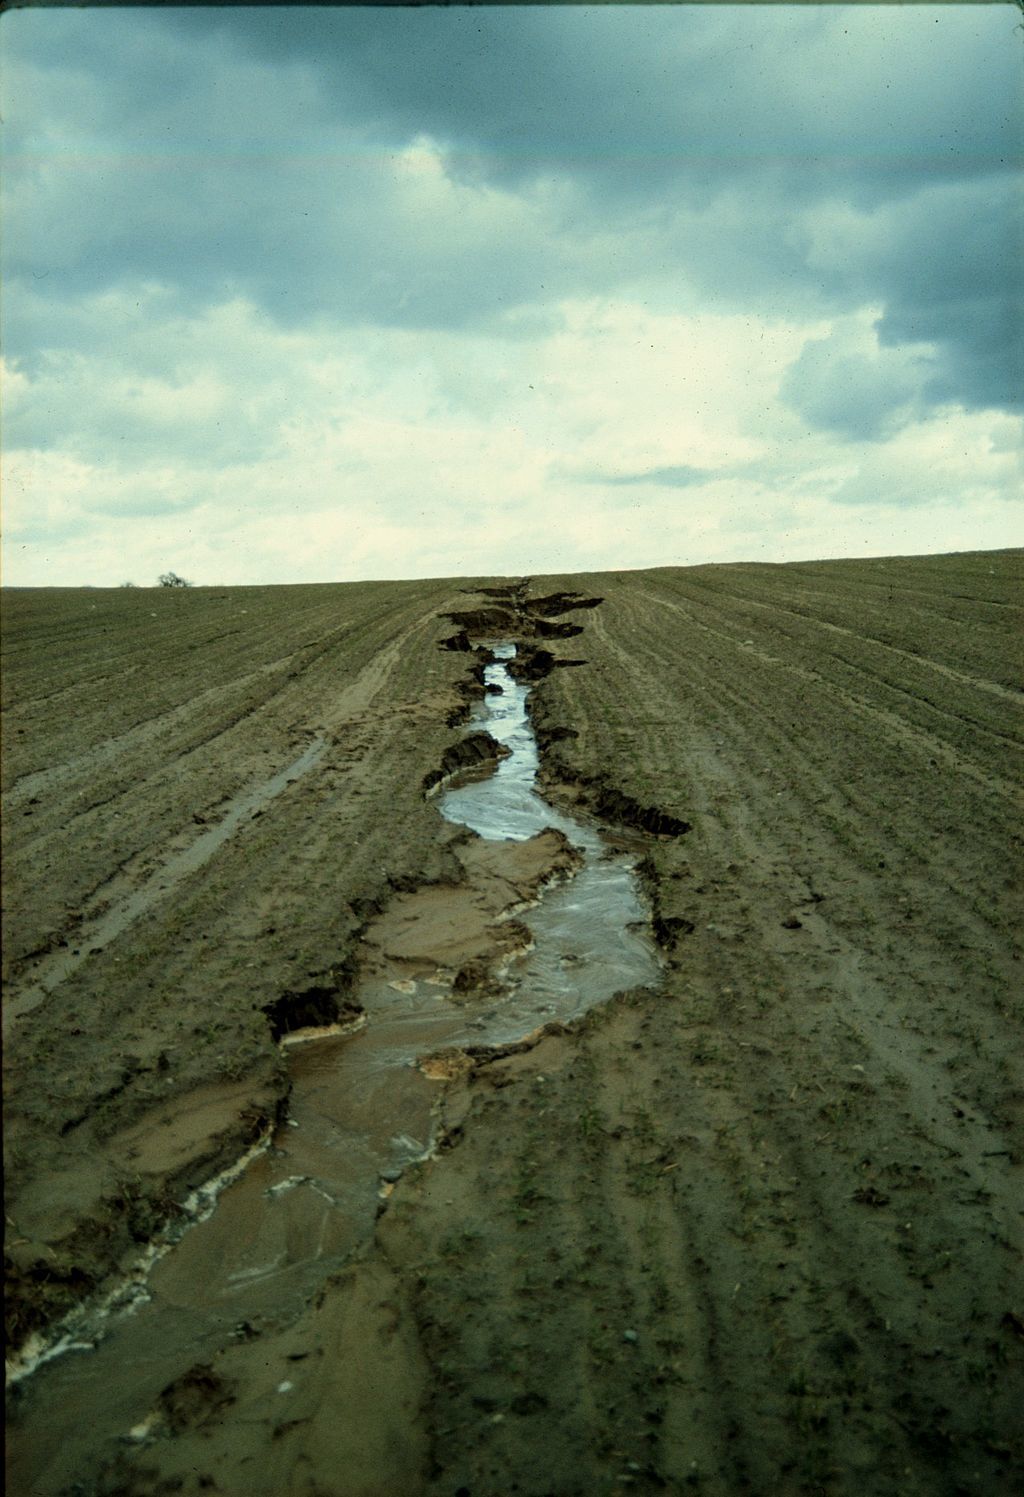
x=171 y=579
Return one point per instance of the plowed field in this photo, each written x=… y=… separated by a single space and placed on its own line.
x=759 y=1230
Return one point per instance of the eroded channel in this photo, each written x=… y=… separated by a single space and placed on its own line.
x=547 y=922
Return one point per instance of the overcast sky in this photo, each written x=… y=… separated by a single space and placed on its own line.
x=315 y=295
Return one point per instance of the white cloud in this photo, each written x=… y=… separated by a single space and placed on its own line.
x=323 y=294
x=388 y=452
x=955 y=460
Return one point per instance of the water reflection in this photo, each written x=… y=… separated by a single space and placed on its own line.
x=359 y=1111
x=584 y=947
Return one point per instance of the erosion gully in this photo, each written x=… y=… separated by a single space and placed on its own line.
x=263 y=1240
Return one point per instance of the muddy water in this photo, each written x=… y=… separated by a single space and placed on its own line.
x=359 y=1111
x=585 y=948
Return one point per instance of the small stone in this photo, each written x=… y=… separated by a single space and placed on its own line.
x=631 y=1337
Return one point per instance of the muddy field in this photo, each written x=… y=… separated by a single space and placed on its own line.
x=755 y=1228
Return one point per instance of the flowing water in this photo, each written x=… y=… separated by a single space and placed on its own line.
x=359 y=1111
x=586 y=946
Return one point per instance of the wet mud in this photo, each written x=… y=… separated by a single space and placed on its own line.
x=754 y=1228
x=545 y=920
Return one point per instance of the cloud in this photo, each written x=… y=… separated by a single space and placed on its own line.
x=937 y=266
x=849 y=383
x=944 y=275
x=688 y=95
x=382 y=455
x=309 y=291
x=144 y=382
x=961 y=461
x=677 y=476
x=433 y=167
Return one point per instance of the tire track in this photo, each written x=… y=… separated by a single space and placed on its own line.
x=123 y=899
x=143 y=882
x=898 y=726
x=1004 y=693
x=118 y=747
x=761 y=748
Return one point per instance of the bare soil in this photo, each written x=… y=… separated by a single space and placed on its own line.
x=758 y=1231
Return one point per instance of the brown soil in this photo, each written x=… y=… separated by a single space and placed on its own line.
x=757 y=1232
x=462 y=929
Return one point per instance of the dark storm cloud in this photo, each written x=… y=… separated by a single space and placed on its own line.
x=674 y=154
x=941 y=266
x=214 y=173
x=848 y=386
x=949 y=275
x=693 y=92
